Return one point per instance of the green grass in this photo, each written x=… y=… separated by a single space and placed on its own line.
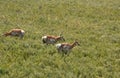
x=94 y=23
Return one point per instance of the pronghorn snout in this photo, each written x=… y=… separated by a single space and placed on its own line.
x=63 y=38
x=2 y=35
x=77 y=43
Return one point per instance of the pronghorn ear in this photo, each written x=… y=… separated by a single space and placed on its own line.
x=61 y=34
x=76 y=40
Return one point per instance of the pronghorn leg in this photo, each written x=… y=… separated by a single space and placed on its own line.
x=59 y=50
x=65 y=52
x=43 y=41
x=21 y=36
x=68 y=53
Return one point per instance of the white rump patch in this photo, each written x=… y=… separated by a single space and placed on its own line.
x=44 y=37
x=58 y=45
x=22 y=31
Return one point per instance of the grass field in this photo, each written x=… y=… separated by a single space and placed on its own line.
x=94 y=23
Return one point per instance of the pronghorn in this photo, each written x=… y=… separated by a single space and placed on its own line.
x=15 y=32
x=66 y=47
x=49 y=39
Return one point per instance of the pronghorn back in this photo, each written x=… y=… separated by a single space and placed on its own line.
x=66 y=47
x=15 y=32
x=49 y=39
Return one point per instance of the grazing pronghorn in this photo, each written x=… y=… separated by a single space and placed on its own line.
x=15 y=32
x=48 y=39
x=66 y=47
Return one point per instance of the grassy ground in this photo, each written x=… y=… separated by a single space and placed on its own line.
x=94 y=23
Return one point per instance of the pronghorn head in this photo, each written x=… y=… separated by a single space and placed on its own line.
x=61 y=37
x=6 y=34
x=76 y=43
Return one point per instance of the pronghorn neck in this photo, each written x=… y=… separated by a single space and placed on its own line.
x=7 y=34
x=73 y=45
x=58 y=38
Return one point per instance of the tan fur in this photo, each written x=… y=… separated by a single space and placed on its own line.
x=51 y=39
x=66 y=47
x=15 y=32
